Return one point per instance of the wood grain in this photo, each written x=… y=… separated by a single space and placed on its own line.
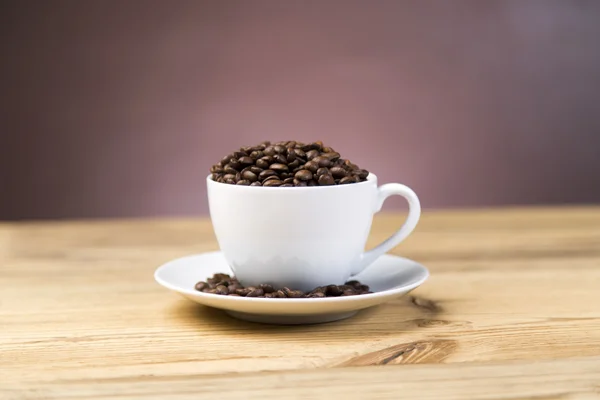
x=511 y=311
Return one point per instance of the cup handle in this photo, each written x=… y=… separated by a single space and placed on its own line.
x=414 y=213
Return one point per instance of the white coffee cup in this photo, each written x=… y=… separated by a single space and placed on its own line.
x=302 y=237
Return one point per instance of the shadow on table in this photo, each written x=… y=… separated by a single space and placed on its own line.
x=402 y=315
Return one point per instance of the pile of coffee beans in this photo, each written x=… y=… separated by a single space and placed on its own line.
x=226 y=285
x=287 y=164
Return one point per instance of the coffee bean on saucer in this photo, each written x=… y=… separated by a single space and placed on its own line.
x=221 y=289
x=293 y=293
x=266 y=288
x=333 y=290
x=243 y=291
x=226 y=285
x=255 y=292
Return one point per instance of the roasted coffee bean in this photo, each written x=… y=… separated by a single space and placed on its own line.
x=266 y=173
x=243 y=182
x=332 y=156
x=216 y=169
x=333 y=290
x=255 y=292
x=226 y=285
x=256 y=154
x=234 y=295
x=263 y=163
x=326 y=180
x=322 y=171
x=303 y=175
x=311 y=154
x=270 y=151
x=295 y=294
x=284 y=160
x=233 y=288
x=246 y=161
x=355 y=284
x=338 y=172
x=291 y=155
x=249 y=176
x=300 y=154
x=270 y=178
x=221 y=289
x=294 y=164
x=273 y=183
x=279 y=167
x=280 y=159
x=311 y=166
x=228 y=169
x=235 y=164
x=226 y=159
x=287 y=185
x=243 y=291
x=256 y=184
x=322 y=161
x=266 y=288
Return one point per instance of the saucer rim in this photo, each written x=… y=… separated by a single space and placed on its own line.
x=233 y=299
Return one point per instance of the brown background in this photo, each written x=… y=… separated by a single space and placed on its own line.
x=118 y=108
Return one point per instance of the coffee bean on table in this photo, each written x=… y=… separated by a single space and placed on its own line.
x=289 y=162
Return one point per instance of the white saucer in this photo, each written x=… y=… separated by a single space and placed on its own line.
x=389 y=277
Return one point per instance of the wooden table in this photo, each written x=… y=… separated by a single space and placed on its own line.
x=511 y=311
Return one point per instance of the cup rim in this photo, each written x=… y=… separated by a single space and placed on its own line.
x=371 y=178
